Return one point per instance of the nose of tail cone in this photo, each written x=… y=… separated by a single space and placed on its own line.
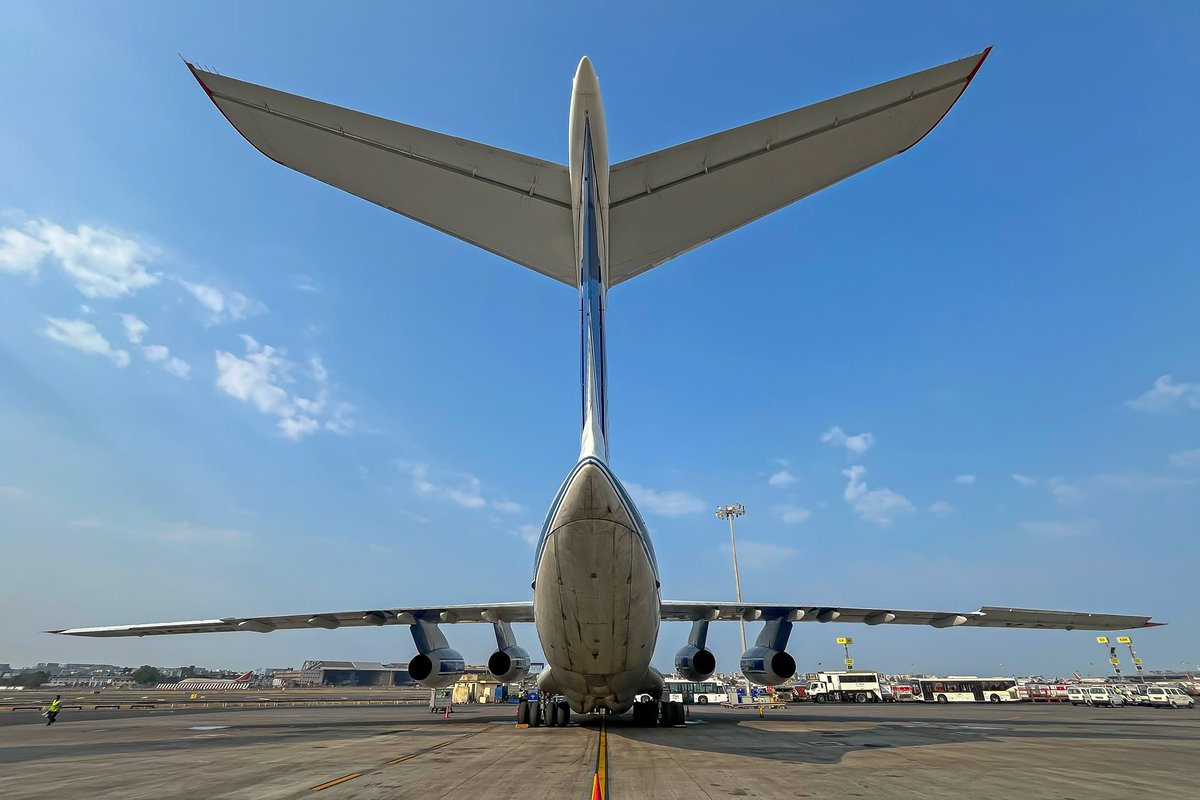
x=592 y=495
x=586 y=81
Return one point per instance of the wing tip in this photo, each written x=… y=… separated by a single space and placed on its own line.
x=212 y=97
x=1153 y=624
x=974 y=71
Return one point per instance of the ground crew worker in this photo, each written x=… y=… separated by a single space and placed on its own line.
x=52 y=711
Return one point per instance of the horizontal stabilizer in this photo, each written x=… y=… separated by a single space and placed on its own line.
x=512 y=205
x=667 y=203
x=986 y=617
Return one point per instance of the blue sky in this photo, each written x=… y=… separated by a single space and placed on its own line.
x=227 y=389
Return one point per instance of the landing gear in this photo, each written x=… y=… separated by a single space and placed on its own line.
x=523 y=712
x=645 y=713
x=558 y=715
x=672 y=714
x=535 y=714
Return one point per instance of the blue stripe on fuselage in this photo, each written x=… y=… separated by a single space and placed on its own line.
x=594 y=393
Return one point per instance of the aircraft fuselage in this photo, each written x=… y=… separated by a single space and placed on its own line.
x=596 y=589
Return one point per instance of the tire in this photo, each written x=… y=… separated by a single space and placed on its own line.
x=702 y=700
x=552 y=715
x=941 y=698
x=564 y=714
x=523 y=712
x=995 y=698
x=860 y=697
x=818 y=698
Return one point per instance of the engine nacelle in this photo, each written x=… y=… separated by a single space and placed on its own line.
x=509 y=664
x=437 y=668
x=767 y=667
x=695 y=663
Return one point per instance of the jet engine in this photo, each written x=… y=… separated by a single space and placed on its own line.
x=767 y=667
x=695 y=663
x=509 y=664
x=436 y=669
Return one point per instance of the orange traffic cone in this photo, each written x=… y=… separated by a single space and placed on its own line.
x=597 y=793
x=447 y=712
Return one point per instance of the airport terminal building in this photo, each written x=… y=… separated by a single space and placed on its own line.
x=344 y=673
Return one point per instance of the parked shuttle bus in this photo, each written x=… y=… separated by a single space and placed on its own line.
x=847 y=687
x=967 y=689
x=688 y=692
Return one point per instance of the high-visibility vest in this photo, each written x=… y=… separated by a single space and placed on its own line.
x=55 y=705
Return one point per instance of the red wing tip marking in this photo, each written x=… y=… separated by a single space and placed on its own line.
x=54 y=631
x=1154 y=624
x=196 y=75
x=971 y=77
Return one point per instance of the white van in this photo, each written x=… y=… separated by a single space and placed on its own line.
x=1077 y=695
x=1168 y=697
x=1104 y=696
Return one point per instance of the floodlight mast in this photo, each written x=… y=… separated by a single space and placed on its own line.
x=729 y=512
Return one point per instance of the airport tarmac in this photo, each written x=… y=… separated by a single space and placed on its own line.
x=887 y=751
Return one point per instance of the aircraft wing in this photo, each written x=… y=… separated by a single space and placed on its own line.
x=515 y=206
x=986 y=617
x=666 y=203
x=495 y=612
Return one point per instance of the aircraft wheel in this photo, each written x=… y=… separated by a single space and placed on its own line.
x=535 y=714
x=552 y=715
x=523 y=712
x=564 y=714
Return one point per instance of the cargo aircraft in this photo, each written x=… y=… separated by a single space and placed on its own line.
x=591 y=225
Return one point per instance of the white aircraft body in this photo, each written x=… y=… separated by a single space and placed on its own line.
x=596 y=600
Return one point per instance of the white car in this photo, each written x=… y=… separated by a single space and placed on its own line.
x=1104 y=696
x=1169 y=697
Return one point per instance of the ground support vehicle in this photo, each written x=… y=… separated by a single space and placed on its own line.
x=845 y=687
x=1168 y=697
x=441 y=700
x=1104 y=696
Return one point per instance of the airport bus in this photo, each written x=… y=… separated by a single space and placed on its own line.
x=966 y=689
x=688 y=692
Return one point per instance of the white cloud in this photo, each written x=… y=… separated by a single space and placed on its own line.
x=178 y=367
x=135 y=329
x=671 y=503
x=1056 y=529
x=83 y=336
x=781 y=479
x=1024 y=480
x=529 y=533
x=792 y=515
x=859 y=443
x=304 y=283
x=941 y=509
x=1063 y=491
x=1167 y=394
x=12 y=492
x=20 y=252
x=964 y=479
x=1187 y=458
x=258 y=380
x=156 y=352
x=222 y=306
x=461 y=488
x=879 y=506
x=507 y=506
x=101 y=263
